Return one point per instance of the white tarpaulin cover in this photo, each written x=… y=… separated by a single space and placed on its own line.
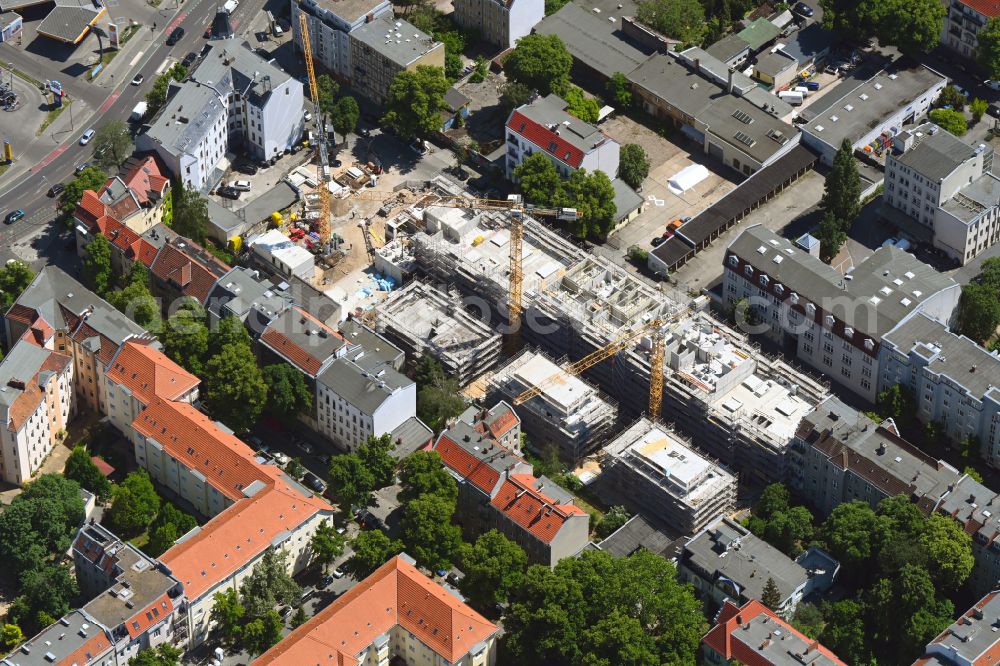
x=687 y=178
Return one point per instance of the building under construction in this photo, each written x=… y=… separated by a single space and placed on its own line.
x=568 y=413
x=423 y=320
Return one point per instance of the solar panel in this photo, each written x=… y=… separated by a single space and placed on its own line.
x=745 y=139
x=742 y=116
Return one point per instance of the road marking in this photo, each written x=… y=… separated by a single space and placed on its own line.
x=176 y=22
x=48 y=158
x=135 y=59
x=109 y=101
x=166 y=63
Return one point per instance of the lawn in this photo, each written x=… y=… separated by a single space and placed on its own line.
x=51 y=116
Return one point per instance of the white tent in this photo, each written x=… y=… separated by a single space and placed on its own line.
x=687 y=178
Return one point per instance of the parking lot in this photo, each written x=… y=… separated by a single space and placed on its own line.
x=667 y=158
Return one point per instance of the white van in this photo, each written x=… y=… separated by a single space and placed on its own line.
x=230 y=6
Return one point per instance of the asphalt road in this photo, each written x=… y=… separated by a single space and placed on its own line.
x=29 y=191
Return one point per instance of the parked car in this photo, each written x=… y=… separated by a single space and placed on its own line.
x=341 y=529
x=138 y=79
x=314 y=482
x=249 y=168
x=80 y=168
x=280 y=458
x=189 y=59
x=364 y=132
x=337 y=573
x=993 y=110
x=175 y=36
x=13 y=216
x=802 y=9
x=811 y=85
x=87 y=136
x=417 y=146
x=307 y=116
x=325 y=581
x=241 y=185
x=657 y=241
x=228 y=192
x=305 y=446
x=56 y=189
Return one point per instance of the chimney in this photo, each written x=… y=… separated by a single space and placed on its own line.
x=697 y=64
x=729 y=84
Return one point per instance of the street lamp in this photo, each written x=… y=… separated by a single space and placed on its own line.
x=100 y=42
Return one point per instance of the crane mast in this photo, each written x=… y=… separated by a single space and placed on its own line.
x=323 y=159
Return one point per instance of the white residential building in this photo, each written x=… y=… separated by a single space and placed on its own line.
x=834 y=322
x=360 y=395
x=545 y=126
x=500 y=22
x=278 y=251
x=234 y=98
x=137 y=375
x=330 y=23
x=962 y=23
x=947 y=187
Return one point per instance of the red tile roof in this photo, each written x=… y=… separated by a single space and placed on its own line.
x=519 y=500
x=988 y=8
x=145 y=176
x=91 y=208
x=149 y=616
x=503 y=423
x=476 y=471
x=239 y=534
x=396 y=594
x=288 y=348
x=21 y=313
x=108 y=348
x=546 y=139
x=148 y=373
x=31 y=396
x=88 y=652
x=189 y=275
x=720 y=637
x=199 y=444
x=102 y=465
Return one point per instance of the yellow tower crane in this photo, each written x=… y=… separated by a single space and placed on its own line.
x=322 y=168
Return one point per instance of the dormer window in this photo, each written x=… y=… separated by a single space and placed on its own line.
x=779 y=289
x=748 y=270
x=734 y=260
x=869 y=344
x=810 y=309
x=848 y=332
x=828 y=320
x=794 y=298
x=764 y=280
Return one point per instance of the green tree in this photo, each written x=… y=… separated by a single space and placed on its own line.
x=287 y=392
x=808 y=618
x=112 y=144
x=914 y=26
x=171 y=524
x=950 y=96
x=618 y=640
x=593 y=196
x=788 y=530
x=162 y=655
x=157 y=97
x=844 y=631
x=513 y=95
x=376 y=455
x=344 y=116
x=949 y=120
x=45 y=591
x=80 y=468
x=260 y=634
x=493 y=566
x=906 y=613
x=428 y=533
x=988 y=47
x=978 y=312
x=136 y=301
x=97 y=272
x=681 y=19
x=415 y=101
x=538 y=179
x=327 y=545
x=619 y=91
x=540 y=62
x=135 y=503
x=14 y=279
x=978 y=108
x=633 y=165
x=234 y=387
x=421 y=474
x=370 y=550
x=299 y=618
x=774 y=499
x=771 y=596
x=555 y=614
x=295 y=469
x=40 y=523
x=552 y=6
x=351 y=482
x=327 y=90
x=190 y=213
x=851 y=534
x=91 y=178
x=831 y=236
x=438 y=396
x=896 y=403
x=268 y=585
x=185 y=337
x=480 y=70
x=612 y=519
x=949 y=550
x=229 y=331
x=842 y=190
x=10 y=637
x=227 y=615
x=578 y=104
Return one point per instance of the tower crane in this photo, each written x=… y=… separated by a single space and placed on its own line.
x=323 y=159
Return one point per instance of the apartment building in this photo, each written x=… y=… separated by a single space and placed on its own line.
x=544 y=126
x=962 y=23
x=182 y=268
x=36 y=403
x=360 y=395
x=952 y=378
x=727 y=563
x=752 y=633
x=834 y=322
x=382 y=48
x=85 y=327
x=241 y=293
x=233 y=99
x=330 y=24
x=498 y=490
x=500 y=22
x=137 y=376
x=135 y=198
x=971 y=640
x=273 y=512
x=421 y=623
x=660 y=474
x=947 y=188
x=567 y=413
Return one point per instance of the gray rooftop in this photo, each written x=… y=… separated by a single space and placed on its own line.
x=777 y=647
x=775 y=63
x=933 y=155
x=965 y=362
x=347 y=10
x=593 y=39
x=728 y=47
x=227 y=221
x=69 y=19
x=230 y=66
x=638 y=533
x=364 y=380
x=974 y=199
x=697 y=96
x=59 y=641
x=626 y=199
x=409 y=436
x=973 y=634
x=550 y=110
x=395 y=39
x=872 y=103
x=481 y=447
x=21 y=363
x=726 y=549
x=881 y=292
x=373 y=343
x=712 y=67
x=181 y=131
x=810 y=43
x=241 y=290
x=303 y=332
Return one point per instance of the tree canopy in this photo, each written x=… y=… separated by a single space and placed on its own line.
x=914 y=26
x=578 y=104
x=949 y=120
x=978 y=313
x=415 y=101
x=190 y=213
x=493 y=567
x=370 y=550
x=842 y=189
x=40 y=522
x=135 y=503
x=268 y=585
x=633 y=165
x=112 y=144
x=351 y=482
x=14 y=279
x=619 y=91
x=136 y=301
x=233 y=385
x=327 y=545
x=680 y=19
x=287 y=392
x=162 y=655
x=988 y=47
x=540 y=62
x=45 y=593
x=438 y=397
x=428 y=533
x=591 y=194
x=344 y=115
x=170 y=524
x=91 y=178
x=97 y=272
x=80 y=468
x=185 y=337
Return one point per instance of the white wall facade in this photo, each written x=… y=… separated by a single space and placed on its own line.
x=328 y=34
x=23 y=451
x=190 y=485
x=349 y=427
x=603 y=157
x=499 y=22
